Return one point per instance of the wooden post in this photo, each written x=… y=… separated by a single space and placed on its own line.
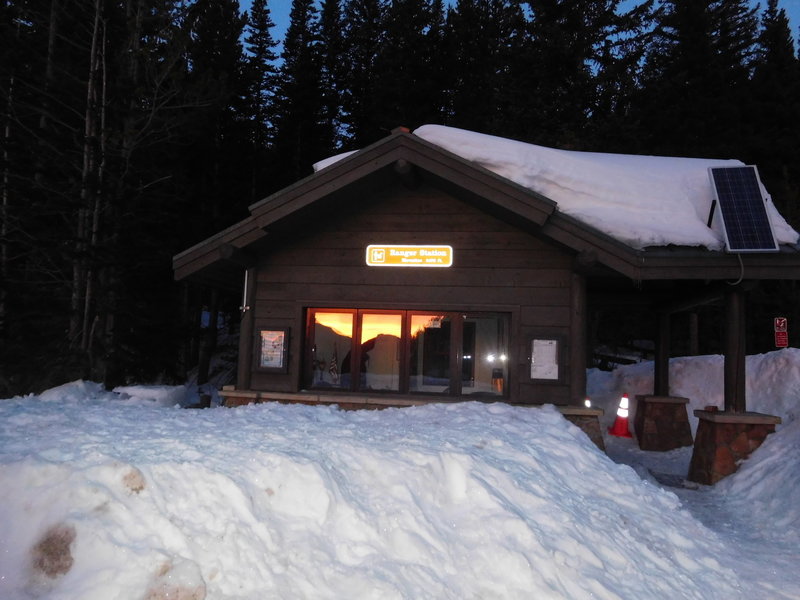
x=577 y=341
x=245 y=365
x=661 y=366
x=735 y=352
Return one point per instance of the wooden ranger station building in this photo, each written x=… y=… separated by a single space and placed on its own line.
x=411 y=272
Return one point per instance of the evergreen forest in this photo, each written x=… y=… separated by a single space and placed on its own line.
x=133 y=129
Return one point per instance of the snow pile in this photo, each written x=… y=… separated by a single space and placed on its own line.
x=162 y=395
x=120 y=495
x=762 y=496
x=640 y=200
x=771 y=384
x=775 y=467
x=81 y=392
x=445 y=501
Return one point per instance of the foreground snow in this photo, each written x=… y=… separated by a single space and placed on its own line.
x=123 y=495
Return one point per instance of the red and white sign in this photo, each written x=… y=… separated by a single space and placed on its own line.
x=781 y=332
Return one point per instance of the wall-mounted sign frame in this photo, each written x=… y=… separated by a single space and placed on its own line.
x=272 y=350
x=781 y=332
x=545 y=359
x=386 y=255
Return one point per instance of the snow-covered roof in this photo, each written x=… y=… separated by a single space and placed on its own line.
x=639 y=200
x=607 y=207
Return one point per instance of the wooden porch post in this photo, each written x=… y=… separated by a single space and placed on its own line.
x=577 y=345
x=246 y=342
x=735 y=400
x=661 y=366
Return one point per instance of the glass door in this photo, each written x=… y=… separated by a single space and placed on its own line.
x=430 y=354
x=484 y=359
x=331 y=333
x=380 y=351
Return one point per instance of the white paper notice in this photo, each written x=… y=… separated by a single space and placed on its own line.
x=544 y=359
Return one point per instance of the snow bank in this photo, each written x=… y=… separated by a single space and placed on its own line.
x=163 y=395
x=766 y=488
x=447 y=501
x=639 y=200
x=121 y=495
x=87 y=392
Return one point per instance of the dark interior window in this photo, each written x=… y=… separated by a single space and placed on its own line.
x=430 y=337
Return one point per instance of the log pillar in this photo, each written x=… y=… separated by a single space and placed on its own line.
x=577 y=341
x=661 y=364
x=734 y=373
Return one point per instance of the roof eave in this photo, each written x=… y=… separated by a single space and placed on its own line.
x=527 y=208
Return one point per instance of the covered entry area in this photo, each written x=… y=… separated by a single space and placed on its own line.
x=669 y=313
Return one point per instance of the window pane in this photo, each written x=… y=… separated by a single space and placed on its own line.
x=430 y=353
x=380 y=351
x=333 y=334
x=484 y=365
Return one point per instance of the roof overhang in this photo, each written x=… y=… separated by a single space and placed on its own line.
x=219 y=260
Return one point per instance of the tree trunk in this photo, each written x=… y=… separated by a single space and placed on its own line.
x=97 y=204
x=91 y=177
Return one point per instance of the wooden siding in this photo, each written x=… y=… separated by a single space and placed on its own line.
x=497 y=267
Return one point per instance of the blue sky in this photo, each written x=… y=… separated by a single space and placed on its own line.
x=279 y=9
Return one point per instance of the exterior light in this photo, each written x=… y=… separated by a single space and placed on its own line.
x=587 y=403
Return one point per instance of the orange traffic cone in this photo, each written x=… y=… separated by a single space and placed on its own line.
x=620 y=427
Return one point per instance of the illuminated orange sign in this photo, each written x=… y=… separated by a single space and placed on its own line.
x=409 y=256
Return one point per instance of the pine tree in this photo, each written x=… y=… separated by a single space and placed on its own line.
x=438 y=68
x=332 y=72
x=363 y=37
x=618 y=69
x=261 y=78
x=299 y=138
x=776 y=112
x=484 y=41
x=406 y=90
x=559 y=65
x=216 y=167
x=696 y=80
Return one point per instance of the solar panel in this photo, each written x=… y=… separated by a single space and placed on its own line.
x=740 y=204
